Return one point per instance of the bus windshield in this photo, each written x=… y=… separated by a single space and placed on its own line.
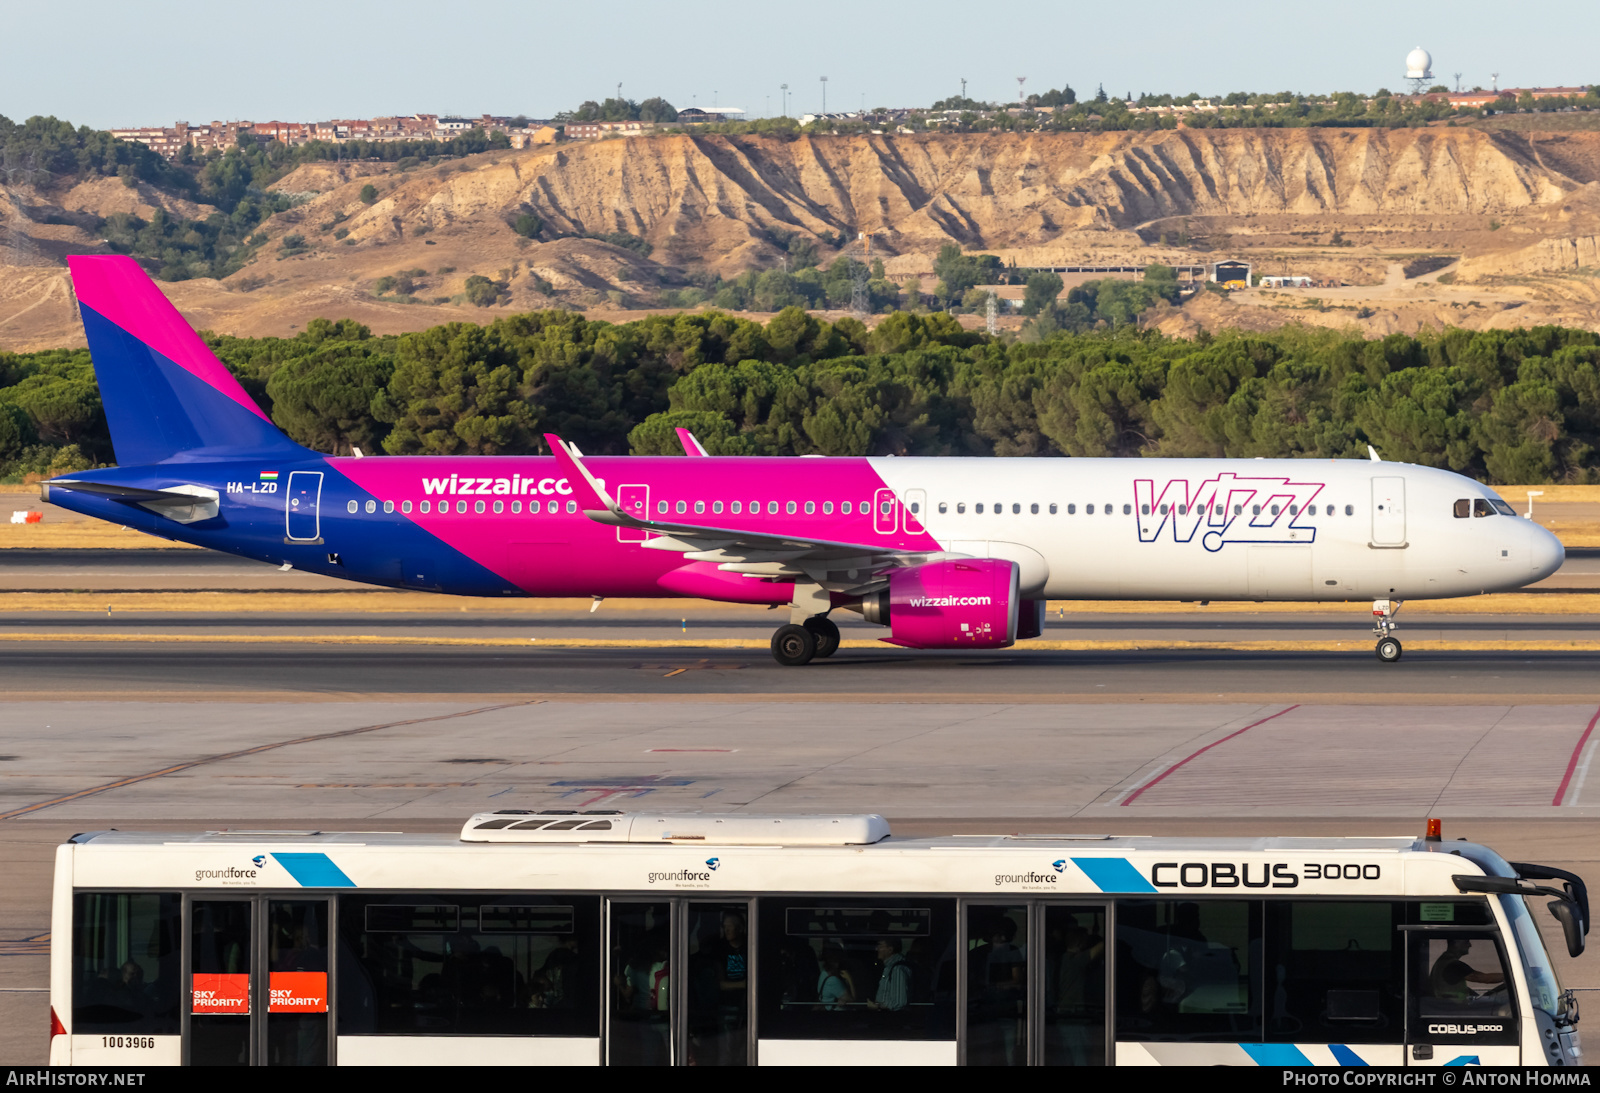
x=1544 y=988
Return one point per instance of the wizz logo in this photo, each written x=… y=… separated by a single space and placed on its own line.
x=1225 y=509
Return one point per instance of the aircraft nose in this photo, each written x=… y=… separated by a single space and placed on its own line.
x=1545 y=552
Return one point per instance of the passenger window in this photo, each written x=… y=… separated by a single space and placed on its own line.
x=388 y=506
x=1255 y=510
x=824 y=960
x=716 y=508
x=681 y=507
x=352 y=506
x=125 y=963
x=405 y=507
x=477 y=507
x=461 y=507
x=1016 y=509
x=827 y=508
x=499 y=506
x=553 y=508
x=978 y=508
x=1163 y=510
x=699 y=507
x=1144 y=510
x=1238 y=510
x=961 y=506
x=772 y=508
x=1052 y=508
x=572 y=507
x=844 y=508
x=426 y=505
x=469 y=965
x=1072 y=510
x=1335 y=971
x=516 y=507
x=734 y=507
x=1184 y=970
x=1349 y=510
x=811 y=508
x=944 y=507
x=1088 y=510
x=371 y=506
x=916 y=507
x=1328 y=511
x=999 y=508
x=1294 y=510
x=1276 y=510
x=661 y=507
x=1480 y=507
x=1034 y=508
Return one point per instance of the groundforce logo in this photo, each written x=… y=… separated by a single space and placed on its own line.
x=232 y=873
x=679 y=876
x=1024 y=878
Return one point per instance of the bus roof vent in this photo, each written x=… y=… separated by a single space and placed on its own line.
x=576 y=826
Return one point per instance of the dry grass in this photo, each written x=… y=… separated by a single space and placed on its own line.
x=81 y=535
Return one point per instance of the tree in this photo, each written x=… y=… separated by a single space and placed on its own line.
x=482 y=292
x=369 y=194
x=527 y=225
x=1041 y=293
x=657 y=109
x=324 y=400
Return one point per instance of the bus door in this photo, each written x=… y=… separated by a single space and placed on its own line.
x=680 y=974
x=1461 y=1000
x=1033 y=984
x=258 y=982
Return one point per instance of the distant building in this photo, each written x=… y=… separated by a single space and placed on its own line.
x=539 y=134
x=590 y=130
x=1230 y=272
x=1285 y=282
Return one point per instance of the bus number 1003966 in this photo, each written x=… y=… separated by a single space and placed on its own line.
x=128 y=1041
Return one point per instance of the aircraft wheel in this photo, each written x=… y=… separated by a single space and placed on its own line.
x=793 y=645
x=826 y=633
x=1389 y=650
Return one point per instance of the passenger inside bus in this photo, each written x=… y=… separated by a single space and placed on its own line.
x=894 y=980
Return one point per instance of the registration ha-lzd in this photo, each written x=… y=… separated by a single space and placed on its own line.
x=597 y=937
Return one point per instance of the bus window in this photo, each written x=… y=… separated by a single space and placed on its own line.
x=640 y=1028
x=467 y=964
x=1335 y=971
x=997 y=986
x=1184 y=970
x=857 y=969
x=125 y=963
x=1074 y=986
x=297 y=982
x=220 y=944
x=719 y=984
x=1460 y=987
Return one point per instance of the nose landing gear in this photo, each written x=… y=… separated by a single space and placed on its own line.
x=1388 y=648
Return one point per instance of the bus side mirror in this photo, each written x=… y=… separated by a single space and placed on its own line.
x=1566 y=913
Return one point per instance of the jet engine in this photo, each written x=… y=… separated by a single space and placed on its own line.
x=970 y=603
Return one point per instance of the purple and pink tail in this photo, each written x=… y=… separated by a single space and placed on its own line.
x=165 y=393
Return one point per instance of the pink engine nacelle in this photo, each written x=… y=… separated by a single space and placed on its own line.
x=966 y=604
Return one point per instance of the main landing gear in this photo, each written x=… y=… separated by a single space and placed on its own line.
x=1383 y=612
x=797 y=644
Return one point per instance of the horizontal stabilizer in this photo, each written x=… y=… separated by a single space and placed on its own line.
x=185 y=504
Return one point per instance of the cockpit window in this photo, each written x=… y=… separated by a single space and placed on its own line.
x=1462 y=508
x=1501 y=507
x=1481 y=507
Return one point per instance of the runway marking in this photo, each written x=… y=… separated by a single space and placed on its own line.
x=1051 y=645
x=1572 y=764
x=1134 y=796
x=257 y=750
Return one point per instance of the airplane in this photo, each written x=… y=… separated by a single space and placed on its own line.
x=947 y=553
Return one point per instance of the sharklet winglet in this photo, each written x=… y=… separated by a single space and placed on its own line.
x=580 y=478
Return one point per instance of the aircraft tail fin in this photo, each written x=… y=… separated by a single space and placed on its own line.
x=165 y=393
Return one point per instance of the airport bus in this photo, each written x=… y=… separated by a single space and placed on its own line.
x=606 y=937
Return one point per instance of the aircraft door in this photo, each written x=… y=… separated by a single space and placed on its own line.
x=916 y=509
x=635 y=501
x=885 y=513
x=1389 y=511
x=302 y=522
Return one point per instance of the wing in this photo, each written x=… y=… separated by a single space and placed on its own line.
x=849 y=568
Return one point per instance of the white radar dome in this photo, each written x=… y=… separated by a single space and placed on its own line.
x=1419 y=64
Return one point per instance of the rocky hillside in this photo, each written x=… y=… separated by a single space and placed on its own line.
x=1509 y=203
